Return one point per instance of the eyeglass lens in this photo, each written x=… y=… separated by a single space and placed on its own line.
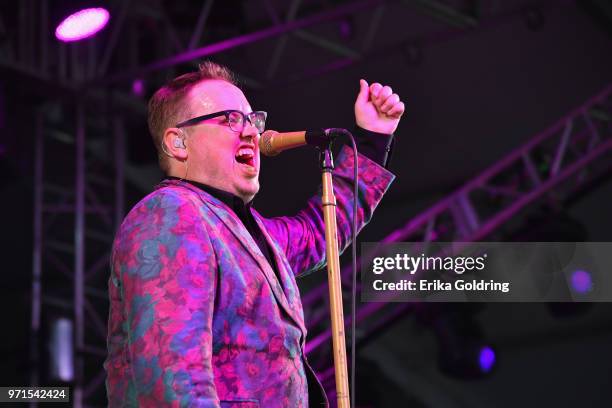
x=257 y=119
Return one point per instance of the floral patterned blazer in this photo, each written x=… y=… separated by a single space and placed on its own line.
x=198 y=318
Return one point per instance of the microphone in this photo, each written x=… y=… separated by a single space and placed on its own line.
x=272 y=142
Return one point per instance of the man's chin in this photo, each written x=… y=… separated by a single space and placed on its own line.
x=248 y=192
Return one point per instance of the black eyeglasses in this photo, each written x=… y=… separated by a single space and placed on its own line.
x=235 y=119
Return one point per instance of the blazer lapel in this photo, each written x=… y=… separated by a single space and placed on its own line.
x=284 y=270
x=232 y=222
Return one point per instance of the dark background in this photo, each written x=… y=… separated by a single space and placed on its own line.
x=479 y=79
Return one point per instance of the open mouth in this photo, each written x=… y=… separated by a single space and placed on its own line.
x=246 y=156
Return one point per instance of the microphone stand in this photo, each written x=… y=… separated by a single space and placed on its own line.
x=328 y=200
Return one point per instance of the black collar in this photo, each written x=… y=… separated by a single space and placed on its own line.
x=243 y=211
x=232 y=201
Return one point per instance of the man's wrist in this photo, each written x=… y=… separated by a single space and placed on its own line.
x=375 y=146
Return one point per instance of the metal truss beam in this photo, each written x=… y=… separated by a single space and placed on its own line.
x=94 y=75
x=74 y=222
x=327 y=44
x=373 y=28
x=199 y=28
x=443 y=12
x=461 y=24
x=114 y=37
x=291 y=25
x=417 y=42
x=282 y=41
x=242 y=40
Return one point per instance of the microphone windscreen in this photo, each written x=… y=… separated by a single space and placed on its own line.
x=265 y=143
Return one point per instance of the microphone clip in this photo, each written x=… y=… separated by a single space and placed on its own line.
x=322 y=139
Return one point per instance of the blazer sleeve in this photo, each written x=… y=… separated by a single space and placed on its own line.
x=302 y=237
x=162 y=293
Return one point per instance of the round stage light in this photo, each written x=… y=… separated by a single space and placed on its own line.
x=486 y=359
x=82 y=24
x=581 y=282
x=138 y=87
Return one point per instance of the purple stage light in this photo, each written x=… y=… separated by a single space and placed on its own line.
x=346 y=29
x=581 y=281
x=138 y=87
x=82 y=24
x=486 y=359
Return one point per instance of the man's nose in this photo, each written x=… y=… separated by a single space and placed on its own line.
x=249 y=130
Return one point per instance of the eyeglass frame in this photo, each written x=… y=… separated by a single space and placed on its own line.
x=226 y=113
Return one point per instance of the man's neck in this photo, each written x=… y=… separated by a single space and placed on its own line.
x=220 y=193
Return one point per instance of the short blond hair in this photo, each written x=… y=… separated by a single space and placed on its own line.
x=168 y=105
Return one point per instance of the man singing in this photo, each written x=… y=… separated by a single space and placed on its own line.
x=204 y=306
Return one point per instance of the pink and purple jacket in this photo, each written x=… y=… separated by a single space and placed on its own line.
x=198 y=318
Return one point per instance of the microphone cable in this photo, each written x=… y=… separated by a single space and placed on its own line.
x=354 y=256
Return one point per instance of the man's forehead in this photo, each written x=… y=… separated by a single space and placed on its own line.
x=217 y=95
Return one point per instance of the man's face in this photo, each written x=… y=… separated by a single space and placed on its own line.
x=217 y=155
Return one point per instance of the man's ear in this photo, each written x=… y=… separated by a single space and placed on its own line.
x=173 y=144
